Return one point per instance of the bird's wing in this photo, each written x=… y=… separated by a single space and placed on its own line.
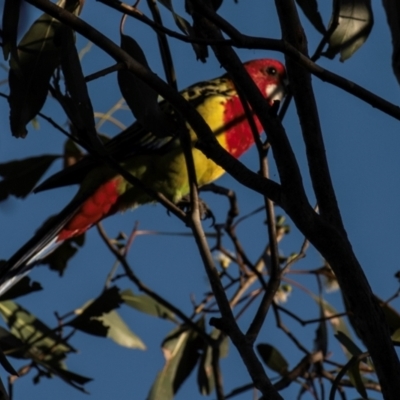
x=135 y=140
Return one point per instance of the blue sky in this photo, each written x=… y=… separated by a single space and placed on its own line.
x=362 y=148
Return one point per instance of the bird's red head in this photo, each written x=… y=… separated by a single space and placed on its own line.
x=270 y=77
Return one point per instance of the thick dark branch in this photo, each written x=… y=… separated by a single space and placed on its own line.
x=330 y=241
x=356 y=290
x=301 y=88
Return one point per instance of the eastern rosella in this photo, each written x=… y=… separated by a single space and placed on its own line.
x=158 y=162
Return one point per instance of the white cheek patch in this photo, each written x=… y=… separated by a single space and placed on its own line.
x=275 y=92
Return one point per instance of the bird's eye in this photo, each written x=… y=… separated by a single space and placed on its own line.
x=271 y=71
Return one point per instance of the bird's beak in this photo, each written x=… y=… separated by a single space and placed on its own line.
x=276 y=92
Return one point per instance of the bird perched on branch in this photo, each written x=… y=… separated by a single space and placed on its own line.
x=158 y=162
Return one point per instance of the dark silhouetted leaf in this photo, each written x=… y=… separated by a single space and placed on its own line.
x=77 y=103
x=272 y=358
x=392 y=9
x=20 y=177
x=348 y=343
x=21 y=288
x=181 y=351
x=10 y=27
x=146 y=304
x=321 y=336
x=29 y=75
x=72 y=153
x=310 y=10
x=200 y=50
x=119 y=332
x=58 y=368
x=58 y=259
x=354 y=370
x=355 y=23
x=205 y=376
x=141 y=98
x=71 y=377
x=338 y=324
x=3 y=392
x=9 y=343
x=87 y=320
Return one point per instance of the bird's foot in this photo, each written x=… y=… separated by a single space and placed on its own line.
x=205 y=212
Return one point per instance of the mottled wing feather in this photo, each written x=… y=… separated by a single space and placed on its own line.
x=135 y=140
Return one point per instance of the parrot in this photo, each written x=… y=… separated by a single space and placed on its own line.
x=158 y=162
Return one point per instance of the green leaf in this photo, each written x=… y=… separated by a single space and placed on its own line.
x=87 y=320
x=205 y=376
x=273 y=358
x=41 y=342
x=310 y=10
x=181 y=351
x=355 y=21
x=31 y=339
x=147 y=305
x=21 y=176
x=30 y=72
x=119 y=332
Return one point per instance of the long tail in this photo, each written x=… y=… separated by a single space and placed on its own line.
x=40 y=245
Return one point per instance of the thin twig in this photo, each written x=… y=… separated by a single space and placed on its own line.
x=141 y=286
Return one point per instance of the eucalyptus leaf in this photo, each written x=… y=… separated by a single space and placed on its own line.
x=58 y=259
x=141 y=98
x=10 y=27
x=39 y=340
x=119 y=332
x=393 y=18
x=310 y=9
x=273 y=358
x=31 y=69
x=21 y=176
x=88 y=320
x=147 y=304
x=205 y=375
x=354 y=370
x=181 y=351
x=185 y=26
x=354 y=24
